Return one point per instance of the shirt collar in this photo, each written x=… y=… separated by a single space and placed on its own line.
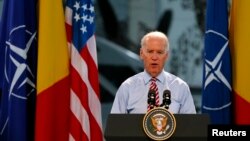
x=147 y=77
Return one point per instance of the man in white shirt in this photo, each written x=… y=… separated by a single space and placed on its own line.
x=132 y=95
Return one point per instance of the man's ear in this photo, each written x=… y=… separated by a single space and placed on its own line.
x=141 y=54
x=167 y=55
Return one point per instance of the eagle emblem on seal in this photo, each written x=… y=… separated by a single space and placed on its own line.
x=159 y=121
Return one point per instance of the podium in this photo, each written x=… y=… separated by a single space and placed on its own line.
x=129 y=127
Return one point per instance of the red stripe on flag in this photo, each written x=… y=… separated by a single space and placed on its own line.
x=69 y=32
x=81 y=90
x=76 y=130
x=93 y=75
x=53 y=101
x=241 y=106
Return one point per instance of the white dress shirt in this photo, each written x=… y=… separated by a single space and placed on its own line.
x=132 y=95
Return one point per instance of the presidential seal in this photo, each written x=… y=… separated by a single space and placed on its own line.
x=159 y=124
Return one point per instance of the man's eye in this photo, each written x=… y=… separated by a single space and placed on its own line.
x=160 y=52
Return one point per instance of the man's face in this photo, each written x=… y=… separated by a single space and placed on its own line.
x=154 y=55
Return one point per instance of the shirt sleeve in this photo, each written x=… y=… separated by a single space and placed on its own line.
x=187 y=104
x=120 y=101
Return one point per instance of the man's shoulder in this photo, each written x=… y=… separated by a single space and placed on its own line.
x=171 y=78
x=135 y=77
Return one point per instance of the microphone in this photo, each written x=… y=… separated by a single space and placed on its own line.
x=166 y=99
x=151 y=99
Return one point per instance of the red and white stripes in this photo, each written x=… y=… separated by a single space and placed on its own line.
x=85 y=107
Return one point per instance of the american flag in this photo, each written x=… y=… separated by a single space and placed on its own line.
x=85 y=106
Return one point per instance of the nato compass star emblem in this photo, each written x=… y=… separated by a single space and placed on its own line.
x=213 y=68
x=17 y=55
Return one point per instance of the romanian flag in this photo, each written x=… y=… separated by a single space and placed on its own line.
x=239 y=43
x=52 y=108
x=18 y=60
x=217 y=90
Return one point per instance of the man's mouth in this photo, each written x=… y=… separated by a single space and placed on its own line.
x=154 y=64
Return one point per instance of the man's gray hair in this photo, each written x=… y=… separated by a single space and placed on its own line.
x=155 y=34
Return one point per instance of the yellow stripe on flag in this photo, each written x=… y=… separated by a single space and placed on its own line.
x=52 y=45
x=240 y=45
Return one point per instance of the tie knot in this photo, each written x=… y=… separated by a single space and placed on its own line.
x=153 y=79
